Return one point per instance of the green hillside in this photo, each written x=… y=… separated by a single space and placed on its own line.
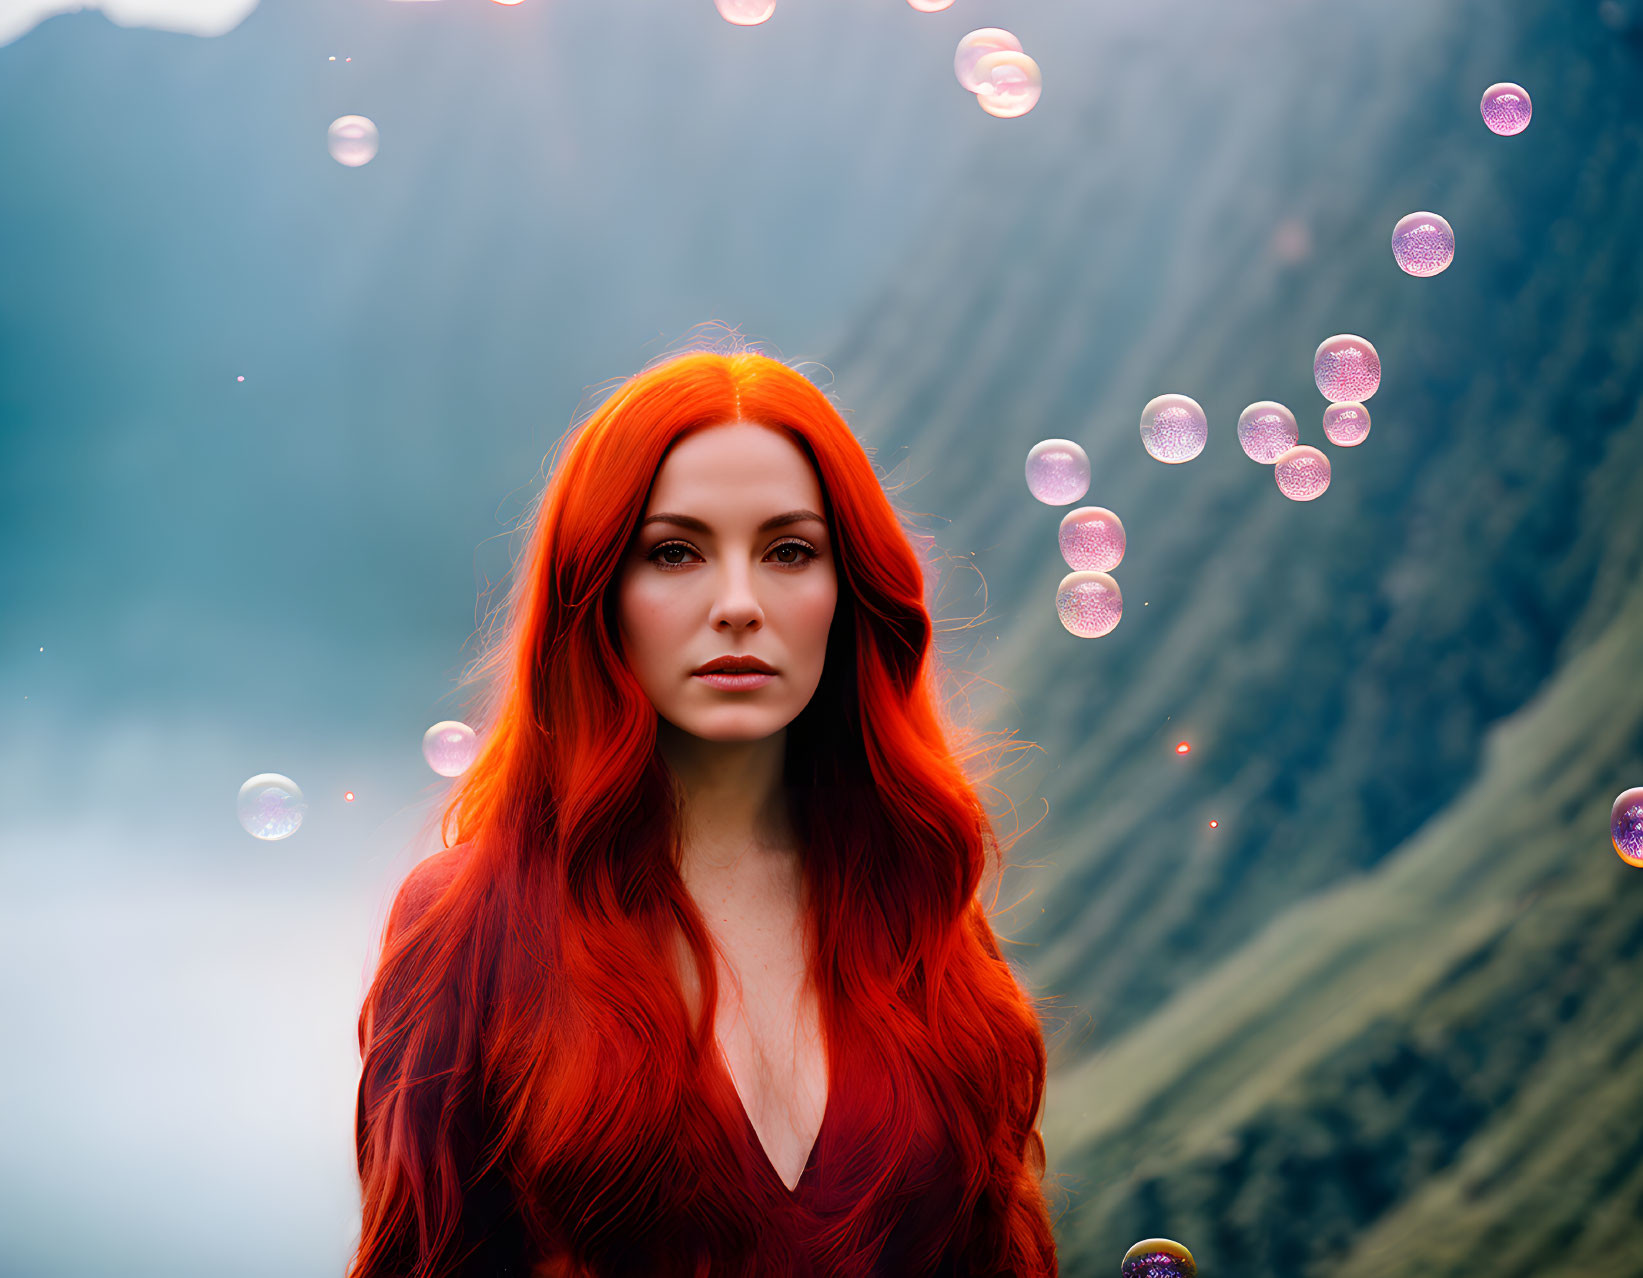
x=1433 y=1068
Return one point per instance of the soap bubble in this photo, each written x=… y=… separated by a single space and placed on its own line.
x=1346 y=368
x=1173 y=428
x=745 y=13
x=1158 y=1258
x=1423 y=243
x=352 y=140
x=270 y=806
x=931 y=6
x=1089 y=604
x=1346 y=425
x=1058 y=471
x=1506 y=108
x=977 y=45
x=1267 y=430
x=1092 y=539
x=1302 y=473
x=1011 y=83
x=1626 y=826
x=449 y=747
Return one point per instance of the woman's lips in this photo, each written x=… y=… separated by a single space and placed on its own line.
x=737 y=682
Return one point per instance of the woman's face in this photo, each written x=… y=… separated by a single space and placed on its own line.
x=725 y=586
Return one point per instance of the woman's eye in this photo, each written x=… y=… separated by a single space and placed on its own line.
x=806 y=552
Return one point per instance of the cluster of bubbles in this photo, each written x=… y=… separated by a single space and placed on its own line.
x=1092 y=542
x=271 y=805
x=1626 y=826
x=1158 y=1258
x=1174 y=427
x=990 y=63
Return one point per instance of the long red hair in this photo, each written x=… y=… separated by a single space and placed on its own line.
x=525 y=1024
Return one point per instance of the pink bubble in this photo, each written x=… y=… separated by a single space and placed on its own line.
x=745 y=13
x=1346 y=368
x=1626 y=826
x=352 y=140
x=1506 y=108
x=931 y=6
x=977 y=45
x=1011 y=83
x=1058 y=471
x=1346 y=425
x=1173 y=428
x=1266 y=431
x=1423 y=243
x=1089 y=604
x=1092 y=539
x=1302 y=473
x=450 y=747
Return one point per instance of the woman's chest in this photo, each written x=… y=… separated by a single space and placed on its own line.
x=768 y=1029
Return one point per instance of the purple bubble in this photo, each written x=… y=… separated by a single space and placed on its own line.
x=1089 y=604
x=1626 y=826
x=1158 y=1258
x=1346 y=368
x=1058 y=471
x=1423 y=243
x=1092 y=539
x=1346 y=425
x=1506 y=108
x=1266 y=431
x=1173 y=428
x=1302 y=473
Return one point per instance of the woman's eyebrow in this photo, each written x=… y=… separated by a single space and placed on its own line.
x=775 y=521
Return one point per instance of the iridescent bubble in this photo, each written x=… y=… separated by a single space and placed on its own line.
x=1346 y=425
x=270 y=806
x=1346 y=368
x=1173 y=428
x=1158 y=1258
x=745 y=13
x=1267 y=430
x=1058 y=471
x=1506 y=108
x=977 y=45
x=931 y=6
x=1423 y=243
x=1011 y=83
x=1089 y=604
x=352 y=140
x=1092 y=539
x=1626 y=826
x=450 y=747
x=1302 y=473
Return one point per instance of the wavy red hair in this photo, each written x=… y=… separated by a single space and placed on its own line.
x=525 y=1028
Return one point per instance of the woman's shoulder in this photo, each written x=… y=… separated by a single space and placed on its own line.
x=422 y=886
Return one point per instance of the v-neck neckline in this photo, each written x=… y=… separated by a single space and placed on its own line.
x=753 y=1132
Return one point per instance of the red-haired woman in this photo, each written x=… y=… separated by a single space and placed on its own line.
x=702 y=985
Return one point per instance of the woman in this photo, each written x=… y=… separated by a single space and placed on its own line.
x=703 y=984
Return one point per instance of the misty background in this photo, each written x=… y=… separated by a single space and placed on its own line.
x=1381 y=1019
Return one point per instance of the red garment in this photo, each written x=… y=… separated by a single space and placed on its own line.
x=923 y=1205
